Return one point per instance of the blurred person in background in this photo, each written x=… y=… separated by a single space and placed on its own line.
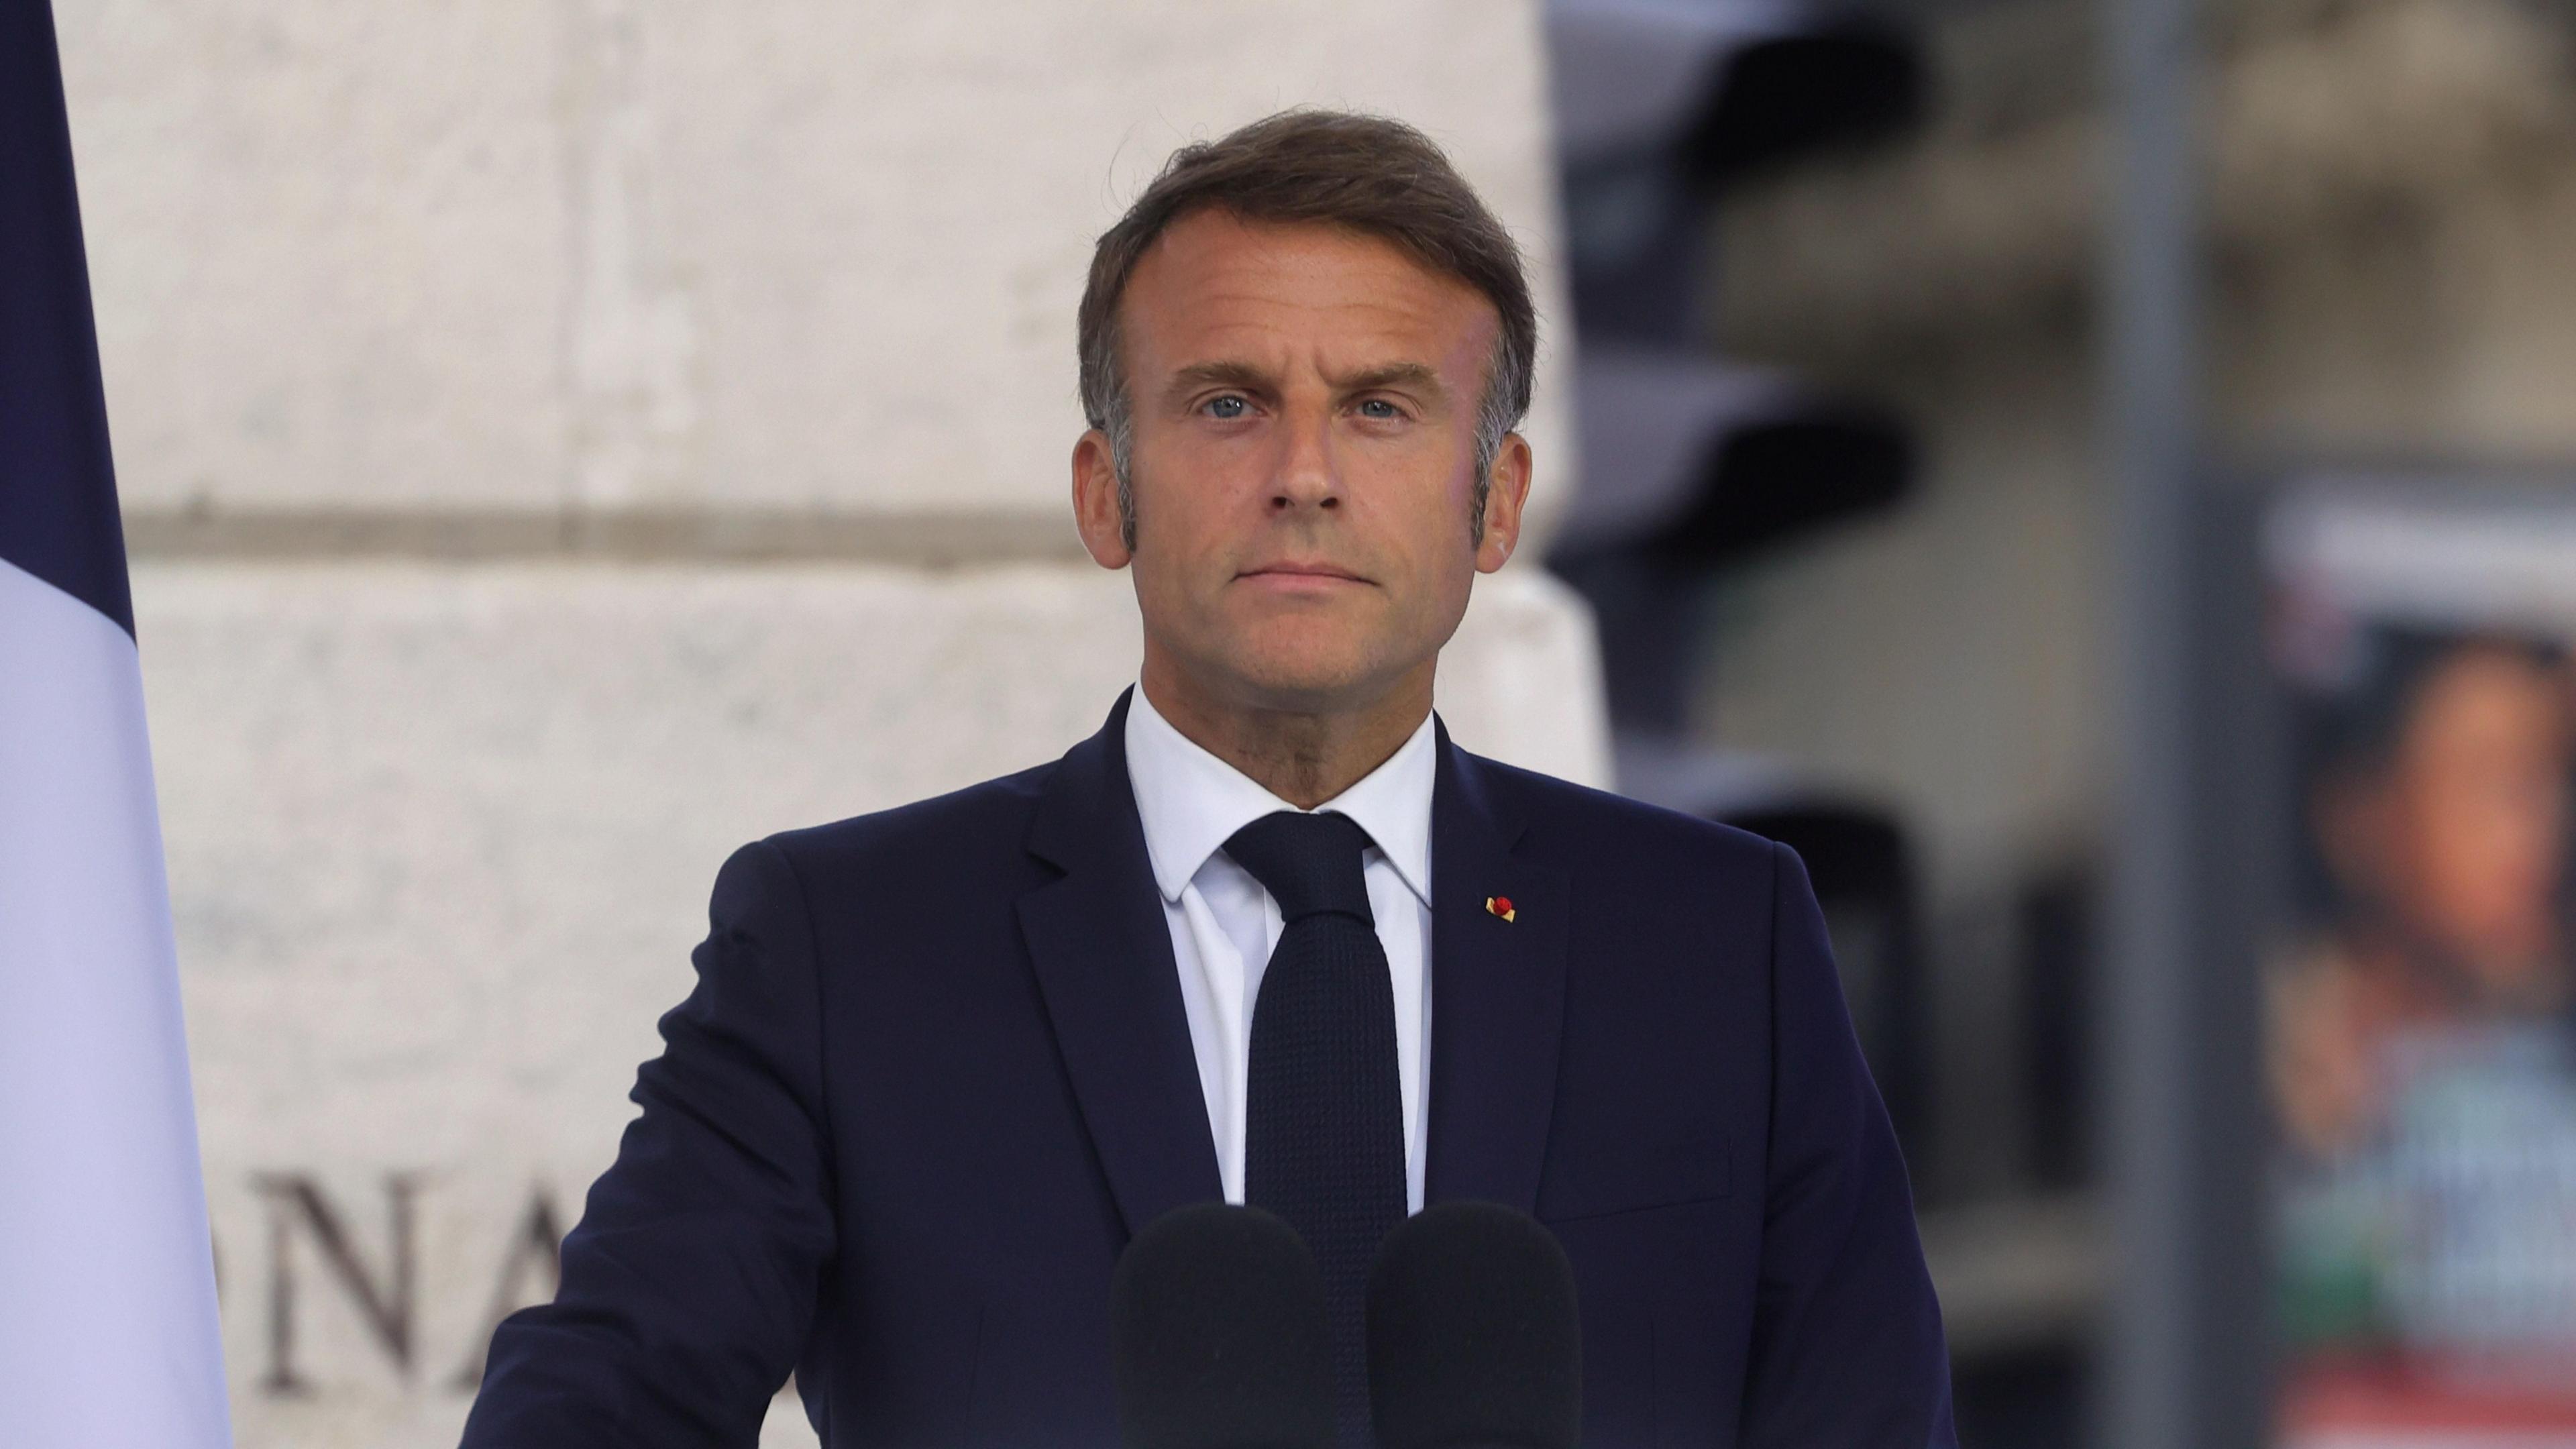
x=2423 y=1049
x=2440 y=815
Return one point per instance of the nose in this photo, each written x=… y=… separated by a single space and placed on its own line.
x=1309 y=475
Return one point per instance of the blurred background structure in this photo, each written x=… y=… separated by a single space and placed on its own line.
x=2380 y=195
x=562 y=441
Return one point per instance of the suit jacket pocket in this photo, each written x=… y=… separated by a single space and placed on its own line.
x=1624 y=1175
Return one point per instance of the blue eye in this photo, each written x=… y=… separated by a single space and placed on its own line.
x=1226 y=407
x=1380 y=408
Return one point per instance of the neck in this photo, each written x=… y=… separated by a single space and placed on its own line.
x=1304 y=757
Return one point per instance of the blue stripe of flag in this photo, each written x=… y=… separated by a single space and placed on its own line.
x=58 y=517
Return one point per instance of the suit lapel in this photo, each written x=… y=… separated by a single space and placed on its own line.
x=1103 y=956
x=1497 y=995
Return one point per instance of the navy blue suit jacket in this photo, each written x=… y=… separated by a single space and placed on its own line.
x=935 y=1074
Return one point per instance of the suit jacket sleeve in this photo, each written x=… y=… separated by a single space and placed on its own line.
x=1847 y=1342
x=690 y=1283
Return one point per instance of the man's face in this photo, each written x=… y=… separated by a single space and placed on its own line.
x=1303 y=461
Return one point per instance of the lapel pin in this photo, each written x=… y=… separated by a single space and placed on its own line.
x=1501 y=906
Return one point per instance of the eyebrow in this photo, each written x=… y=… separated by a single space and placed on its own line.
x=1244 y=375
x=1218 y=374
x=1415 y=375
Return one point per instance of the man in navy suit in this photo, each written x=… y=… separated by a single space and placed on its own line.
x=1269 y=936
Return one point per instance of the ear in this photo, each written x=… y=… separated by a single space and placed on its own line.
x=1507 y=489
x=1095 y=501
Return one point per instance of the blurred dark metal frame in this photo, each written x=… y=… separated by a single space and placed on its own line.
x=1693 y=464
x=2186 y=1344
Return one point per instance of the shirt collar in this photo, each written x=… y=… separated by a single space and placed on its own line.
x=1191 y=802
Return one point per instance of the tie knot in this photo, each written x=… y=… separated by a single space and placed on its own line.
x=1310 y=864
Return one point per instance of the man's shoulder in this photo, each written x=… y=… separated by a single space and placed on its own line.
x=1577 y=823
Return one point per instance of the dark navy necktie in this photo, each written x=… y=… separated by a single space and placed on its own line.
x=1323 y=1142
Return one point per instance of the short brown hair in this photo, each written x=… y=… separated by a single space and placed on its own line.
x=1371 y=174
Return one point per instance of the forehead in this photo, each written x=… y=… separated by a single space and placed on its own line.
x=2487 y=683
x=1215 y=284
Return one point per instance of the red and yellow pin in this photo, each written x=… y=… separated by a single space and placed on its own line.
x=1501 y=906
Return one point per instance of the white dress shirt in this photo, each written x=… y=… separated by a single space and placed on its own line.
x=1224 y=924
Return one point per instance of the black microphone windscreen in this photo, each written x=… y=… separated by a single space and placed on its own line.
x=1472 y=1338
x=1217 y=1335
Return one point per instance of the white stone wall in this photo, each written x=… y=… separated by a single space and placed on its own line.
x=536 y=254
x=465 y=363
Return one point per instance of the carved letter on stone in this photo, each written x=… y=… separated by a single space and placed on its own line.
x=294 y=1199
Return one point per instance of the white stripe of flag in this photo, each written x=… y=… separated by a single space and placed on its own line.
x=107 y=1294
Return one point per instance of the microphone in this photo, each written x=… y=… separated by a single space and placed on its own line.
x=1217 y=1335
x=1472 y=1339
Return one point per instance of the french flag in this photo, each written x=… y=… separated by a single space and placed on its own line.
x=107 y=1290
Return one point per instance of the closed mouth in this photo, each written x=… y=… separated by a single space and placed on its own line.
x=1302 y=571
